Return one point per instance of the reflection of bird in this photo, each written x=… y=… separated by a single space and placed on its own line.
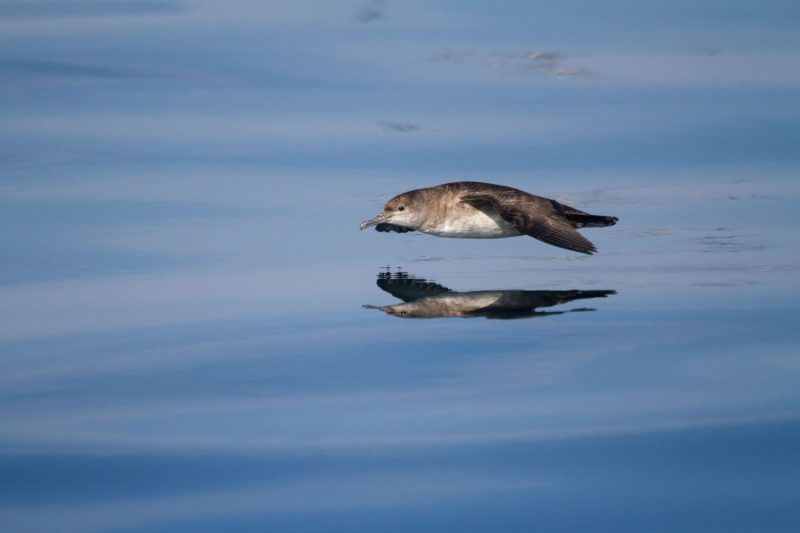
x=471 y=209
x=425 y=299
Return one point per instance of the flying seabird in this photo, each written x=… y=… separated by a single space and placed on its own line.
x=470 y=209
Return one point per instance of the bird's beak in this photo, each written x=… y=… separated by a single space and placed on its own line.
x=371 y=222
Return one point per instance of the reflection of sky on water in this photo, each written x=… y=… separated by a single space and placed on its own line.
x=183 y=343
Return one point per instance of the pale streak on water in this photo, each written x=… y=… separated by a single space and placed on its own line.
x=184 y=342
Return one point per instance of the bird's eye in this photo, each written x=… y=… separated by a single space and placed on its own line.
x=401 y=208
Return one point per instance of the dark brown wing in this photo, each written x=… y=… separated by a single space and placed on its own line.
x=534 y=216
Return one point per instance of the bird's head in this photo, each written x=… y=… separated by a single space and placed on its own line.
x=400 y=210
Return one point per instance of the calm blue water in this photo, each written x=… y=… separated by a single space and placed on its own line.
x=194 y=335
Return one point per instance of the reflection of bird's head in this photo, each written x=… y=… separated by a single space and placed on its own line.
x=406 y=310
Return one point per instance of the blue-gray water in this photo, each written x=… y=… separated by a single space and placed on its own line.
x=184 y=342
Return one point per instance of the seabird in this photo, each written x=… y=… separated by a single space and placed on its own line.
x=471 y=209
x=426 y=299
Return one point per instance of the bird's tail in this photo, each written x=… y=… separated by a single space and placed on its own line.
x=585 y=220
x=581 y=219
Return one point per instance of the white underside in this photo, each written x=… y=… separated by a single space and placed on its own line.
x=474 y=225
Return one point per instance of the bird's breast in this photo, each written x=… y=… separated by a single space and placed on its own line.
x=471 y=223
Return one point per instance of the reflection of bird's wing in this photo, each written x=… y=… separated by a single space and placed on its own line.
x=530 y=299
x=520 y=304
x=410 y=289
x=385 y=226
x=507 y=314
x=534 y=216
x=507 y=304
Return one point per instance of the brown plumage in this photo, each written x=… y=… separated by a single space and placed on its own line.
x=470 y=209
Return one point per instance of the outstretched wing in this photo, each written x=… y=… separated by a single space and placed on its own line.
x=534 y=216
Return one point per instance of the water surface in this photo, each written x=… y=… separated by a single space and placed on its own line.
x=195 y=336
